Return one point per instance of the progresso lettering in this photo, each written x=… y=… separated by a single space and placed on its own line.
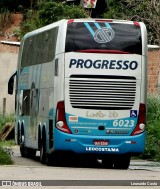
x=104 y=64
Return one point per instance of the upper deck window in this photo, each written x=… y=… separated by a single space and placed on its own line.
x=103 y=36
x=39 y=48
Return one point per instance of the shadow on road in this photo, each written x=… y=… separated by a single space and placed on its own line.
x=81 y=162
x=65 y=161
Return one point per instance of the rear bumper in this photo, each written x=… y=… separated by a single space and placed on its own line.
x=84 y=144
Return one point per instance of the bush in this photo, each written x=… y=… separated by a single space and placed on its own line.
x=5 y=20
x=5 y=152
x=30 y=23
x=152 y=149
x=5 y=119
x=48 y=12
x=5 y=156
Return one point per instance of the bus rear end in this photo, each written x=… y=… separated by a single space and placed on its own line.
x=104 y=107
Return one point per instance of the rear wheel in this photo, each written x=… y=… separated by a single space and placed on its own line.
x=43 y=155
x=122 y=162
x=26 y=152
x=49 y=160
x=23 y=150
x=107 y=163
x=31 y=153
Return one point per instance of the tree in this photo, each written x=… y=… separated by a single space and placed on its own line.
x=147 y=11
x=49 y=12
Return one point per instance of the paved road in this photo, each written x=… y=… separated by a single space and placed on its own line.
x=27 y=169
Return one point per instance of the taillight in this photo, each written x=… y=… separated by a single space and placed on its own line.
x=140 y=127
x=61 y=119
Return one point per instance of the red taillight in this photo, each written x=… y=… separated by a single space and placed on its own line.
x=141 y=120
x=61 y=119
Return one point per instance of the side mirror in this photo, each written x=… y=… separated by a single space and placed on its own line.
x=11 y=83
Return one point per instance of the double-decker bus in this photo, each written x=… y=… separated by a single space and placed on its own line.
x=81 y=88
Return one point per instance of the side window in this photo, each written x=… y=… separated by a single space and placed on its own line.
x=39 y=48
x=26 y=102
x=26 y=47
x=20 y=100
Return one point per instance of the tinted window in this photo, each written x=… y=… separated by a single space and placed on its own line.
x=39 y=48
x=103 y=36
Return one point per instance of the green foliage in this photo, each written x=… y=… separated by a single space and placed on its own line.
x=74 y=12
x=5 y=20
x=8 y=143
x=5 y=119
x=152 y=150
x=31 y=22
x=5 y=156
x=47 y=13
x=50 y=12
x=6 y=152
x=147 y=11
x=153 y=108
x=113 y=10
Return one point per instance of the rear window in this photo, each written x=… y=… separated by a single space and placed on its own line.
x=103 y=36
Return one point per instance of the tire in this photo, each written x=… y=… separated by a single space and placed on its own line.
x=31 y=153
x=19 y=139
x=107 y=163
x=26 y=152
x=59 y=158
x=23 y=150
x=122 y=162
x=49 y=159
x=43 y=155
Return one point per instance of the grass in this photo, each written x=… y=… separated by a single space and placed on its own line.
x=7 y=143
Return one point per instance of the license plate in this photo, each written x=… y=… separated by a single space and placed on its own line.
x=101 y=142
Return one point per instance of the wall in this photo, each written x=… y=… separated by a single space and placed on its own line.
x=8 y=64
x=153 y=70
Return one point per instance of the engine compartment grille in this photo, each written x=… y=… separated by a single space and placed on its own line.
x=102 y=92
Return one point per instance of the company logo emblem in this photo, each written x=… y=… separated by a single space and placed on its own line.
x=101 y=34
x=104 y=35
x=117 y=132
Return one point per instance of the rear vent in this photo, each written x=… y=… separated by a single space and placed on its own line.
x=102 y=92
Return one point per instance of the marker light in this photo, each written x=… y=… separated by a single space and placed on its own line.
x=137 y=24
x=70 y=21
